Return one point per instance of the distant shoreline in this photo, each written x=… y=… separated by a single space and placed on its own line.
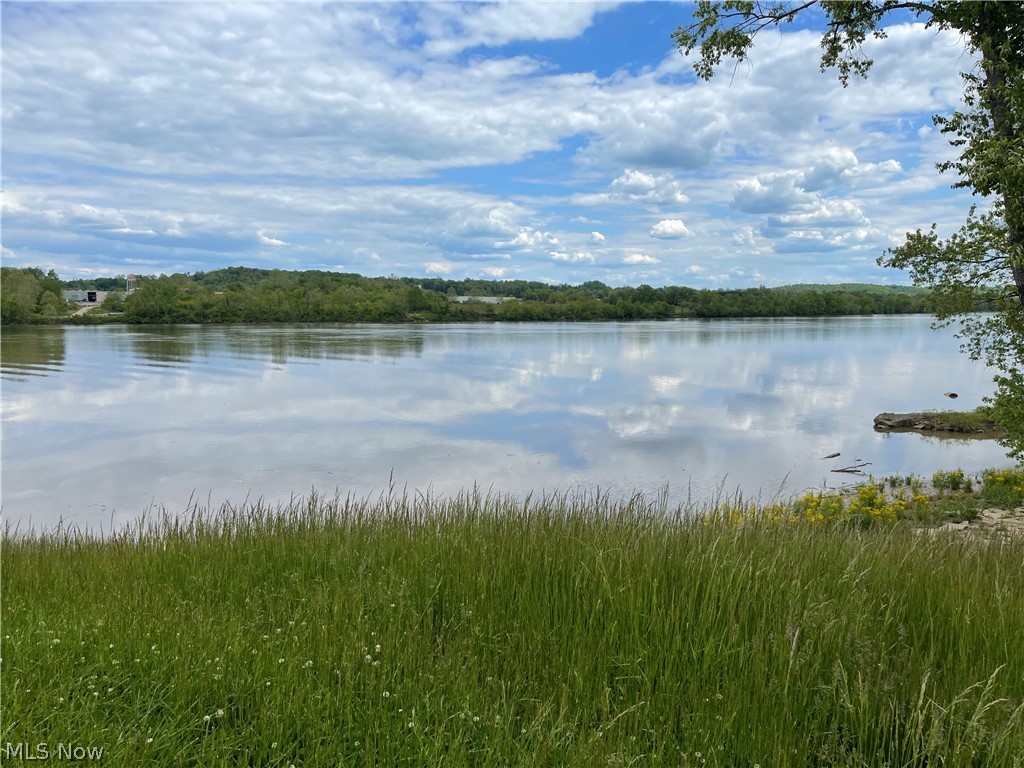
x=248 y=295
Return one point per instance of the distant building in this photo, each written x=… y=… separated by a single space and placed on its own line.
x=85 y=297
x=132 y=284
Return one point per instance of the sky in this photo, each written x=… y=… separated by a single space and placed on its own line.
x=551 y=141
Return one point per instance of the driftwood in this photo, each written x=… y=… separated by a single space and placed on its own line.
x=853 y=469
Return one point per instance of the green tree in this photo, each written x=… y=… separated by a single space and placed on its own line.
x=988 y=250
x=19 y=292
x=114 y=302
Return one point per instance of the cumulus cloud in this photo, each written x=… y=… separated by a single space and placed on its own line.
x=660 y=189
x=575 y=257
x=634 y=187
x=528 y=237
x=597 y=237
x=836 y=167
x=668 y=229
x=438 y=267
x=770 y=193
x=825 y=214
x=640 y=258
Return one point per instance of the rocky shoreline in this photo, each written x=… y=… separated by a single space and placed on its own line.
x=992 y=522
x=934 y=421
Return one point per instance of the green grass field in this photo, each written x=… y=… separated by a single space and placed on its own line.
x=484 y=631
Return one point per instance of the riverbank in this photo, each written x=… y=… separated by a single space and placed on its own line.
x=565 y=630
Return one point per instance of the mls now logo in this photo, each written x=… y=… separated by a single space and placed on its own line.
x=22 y=750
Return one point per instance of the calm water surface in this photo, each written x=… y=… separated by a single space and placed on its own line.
x=101 y=423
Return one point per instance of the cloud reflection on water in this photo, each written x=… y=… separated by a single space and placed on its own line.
x=274 y=411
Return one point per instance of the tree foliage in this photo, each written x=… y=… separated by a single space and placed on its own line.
x=246 y=295
x=987 y=253
x=28 y=295
x=243 y=295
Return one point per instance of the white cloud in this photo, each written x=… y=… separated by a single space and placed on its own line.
x=438 y=267
x=669 y=229
x=528 y=237
x=660 y=189
x=597 y=237
x=826 y=213
x=770 y=193
x=640 y=258
x=575 y=257
x=451 y=28
x=267 y=240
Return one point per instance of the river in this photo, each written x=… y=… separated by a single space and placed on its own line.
x=103 y=423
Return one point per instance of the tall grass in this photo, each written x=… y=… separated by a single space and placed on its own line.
x=485 y=631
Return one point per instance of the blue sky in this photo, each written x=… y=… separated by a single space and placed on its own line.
x=548 y=141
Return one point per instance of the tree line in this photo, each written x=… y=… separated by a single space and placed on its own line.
x=249 y=295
